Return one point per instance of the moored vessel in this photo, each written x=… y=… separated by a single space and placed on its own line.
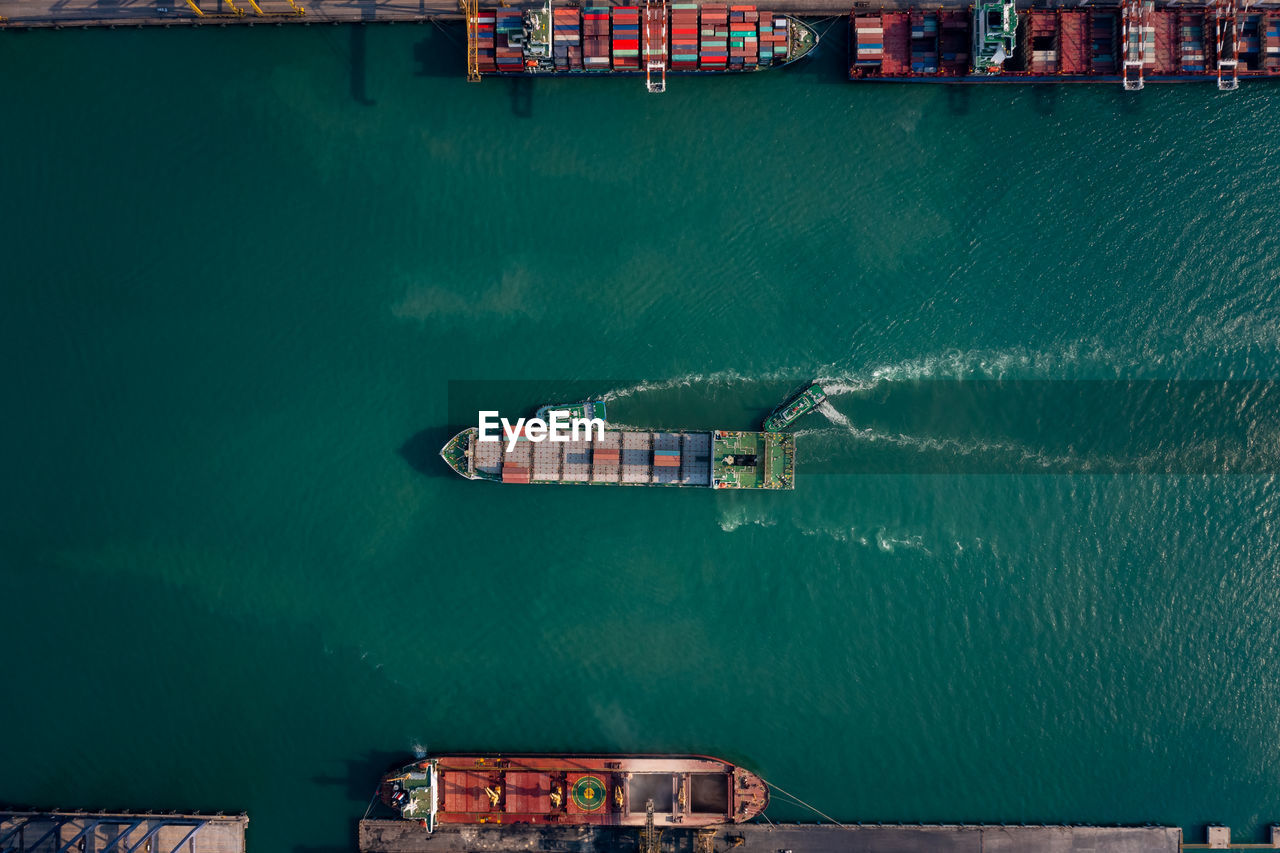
x=602 y=790
x=653 y=39
x=1133 y=43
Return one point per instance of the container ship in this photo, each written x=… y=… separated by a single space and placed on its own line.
x=605 y=790
x=1133 y=43
x=718 y=459
x=652 y=40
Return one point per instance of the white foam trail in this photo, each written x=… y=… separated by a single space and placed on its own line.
x=834 y=415
x=1013 y=363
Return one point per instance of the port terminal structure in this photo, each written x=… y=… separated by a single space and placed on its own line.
x=57 y=14
x=120 y=832
x=401 y=836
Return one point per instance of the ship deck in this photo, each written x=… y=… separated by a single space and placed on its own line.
x=722 y=459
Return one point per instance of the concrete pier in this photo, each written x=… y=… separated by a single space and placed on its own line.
x=95 y=832
x=31 y=14
x=399 y=836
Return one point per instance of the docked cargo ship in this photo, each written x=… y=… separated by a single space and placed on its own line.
x=1133 y=43
x=602 y=790
x=718 y=459
x=654 y=39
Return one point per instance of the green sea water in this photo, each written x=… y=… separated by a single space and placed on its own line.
x=251 y=277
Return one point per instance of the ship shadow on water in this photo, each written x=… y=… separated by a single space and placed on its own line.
x=441 y=53
x=1044 y=98
x=422 y=451
x=360 y=66
x=521 y=93
x=359 y=781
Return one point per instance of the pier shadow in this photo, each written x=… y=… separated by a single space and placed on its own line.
x=959 y=100
x=439 y=56
x=1044 y=98
x=422 y=451
x=359 y=66
x=443 y=52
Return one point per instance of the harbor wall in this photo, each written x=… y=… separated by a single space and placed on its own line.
x=399 y=836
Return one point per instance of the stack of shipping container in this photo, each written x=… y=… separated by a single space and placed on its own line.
x=484 y=41
x=513 y=473
x=595 y=35
x=769 y=38
x=1271 y=43
x=744 y=44
x=1249 y=46
x=626 y=38
x=684 y=37
x=953 y=41
x=868 y=44
x=897 y=43
x=715 y=38
x=509 y=40
x=1191 y=38
x=567 y=39
x=924 y=43
x=1102 y=38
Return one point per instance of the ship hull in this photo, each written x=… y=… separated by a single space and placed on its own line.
x=1134 y=44
x=597 y=790
x=717 y=459
x=649 y=41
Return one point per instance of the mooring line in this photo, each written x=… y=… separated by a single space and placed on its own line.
x=811 y=808
x=371 y=802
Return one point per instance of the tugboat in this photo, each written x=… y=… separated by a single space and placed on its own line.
x=586 y=410
x=795 y=408
x=601 y=790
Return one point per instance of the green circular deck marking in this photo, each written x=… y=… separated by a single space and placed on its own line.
x=588 y=793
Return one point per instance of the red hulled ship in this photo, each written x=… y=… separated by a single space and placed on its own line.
x=603 y=790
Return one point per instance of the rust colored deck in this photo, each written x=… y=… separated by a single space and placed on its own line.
x=1073 y=29
x=897 y=43
x=593 y=790
x=1165 y=22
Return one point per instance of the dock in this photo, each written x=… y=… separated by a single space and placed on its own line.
x=400 y=836
x=60 y=14
x=105 y=832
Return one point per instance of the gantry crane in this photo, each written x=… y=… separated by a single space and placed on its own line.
x=1139 y=41
x=1227 y=49
x=471 y=8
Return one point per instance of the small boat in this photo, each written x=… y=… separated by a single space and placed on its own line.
x=796 y=407
x=601 y=790
x=587 y=409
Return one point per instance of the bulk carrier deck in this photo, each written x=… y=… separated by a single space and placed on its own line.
x=718 y=459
